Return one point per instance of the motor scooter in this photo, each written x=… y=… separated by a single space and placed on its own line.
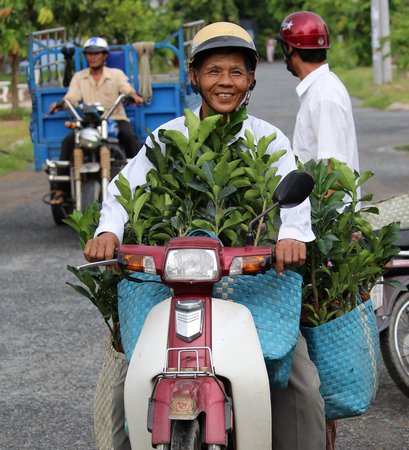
x=197 y=377
x=392 y=312
x=97 y=157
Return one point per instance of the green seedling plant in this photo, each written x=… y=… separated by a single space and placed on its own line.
x=347 y=257
x=205 y=179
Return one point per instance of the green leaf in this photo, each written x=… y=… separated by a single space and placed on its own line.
x=208 y=171
x=226 y=192
x=179 y=139
x=192 y=123
x=123 y=186
x=263 y=144
x=221 y=173
x=208 y=156
x=364 y=177
x=139 y=203
x=207 y=125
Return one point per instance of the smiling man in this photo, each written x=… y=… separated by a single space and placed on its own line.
x=223 y=61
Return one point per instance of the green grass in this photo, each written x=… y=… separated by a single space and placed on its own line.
x=402 y=148
x=359 y=82
x=7 y=77
x=16 y=157
x=16 y=148
x=22 y=114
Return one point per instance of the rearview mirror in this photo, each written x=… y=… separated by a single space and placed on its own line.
x=293 y=189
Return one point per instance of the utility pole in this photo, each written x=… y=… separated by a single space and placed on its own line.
x=381 y=48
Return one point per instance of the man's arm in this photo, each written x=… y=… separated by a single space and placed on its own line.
x=124 y=87
x=295 y=227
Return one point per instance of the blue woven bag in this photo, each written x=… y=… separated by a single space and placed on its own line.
x=346 y=353
x=275 y=303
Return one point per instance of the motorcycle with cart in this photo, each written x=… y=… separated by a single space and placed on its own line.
x=52 y=61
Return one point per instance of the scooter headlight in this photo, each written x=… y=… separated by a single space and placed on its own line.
x=89 y=138
x=191 y=264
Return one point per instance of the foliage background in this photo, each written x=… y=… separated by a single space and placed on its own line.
x=122 y=21
x=132 y=20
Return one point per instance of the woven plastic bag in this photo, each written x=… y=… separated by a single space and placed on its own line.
x=346 y=353
x=275 y=303
x=105 y=430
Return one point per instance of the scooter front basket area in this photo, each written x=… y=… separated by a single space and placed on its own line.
x=275 y=303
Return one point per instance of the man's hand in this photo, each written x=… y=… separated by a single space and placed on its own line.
x=101 y=248
x=289 y=252
x=56 y=106
x=137 y=99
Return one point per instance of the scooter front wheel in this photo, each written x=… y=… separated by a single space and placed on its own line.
x=186 y=435
x=395 y=344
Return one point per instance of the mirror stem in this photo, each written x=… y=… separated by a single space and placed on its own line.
x=249 y=234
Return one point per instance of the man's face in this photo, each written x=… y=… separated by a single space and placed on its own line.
x=96 y=60
x=289 y=55
x=223 y=80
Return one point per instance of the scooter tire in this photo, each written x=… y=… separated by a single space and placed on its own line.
x=185 y=435
x=61 y=212
x=91 y=190
x=395 y=344
x=58 y=214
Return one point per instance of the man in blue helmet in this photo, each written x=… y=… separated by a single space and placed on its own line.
x=99 y=84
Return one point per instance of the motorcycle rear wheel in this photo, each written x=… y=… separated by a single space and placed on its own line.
x=395 y=344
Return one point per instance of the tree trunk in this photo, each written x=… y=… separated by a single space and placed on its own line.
x=14 y=81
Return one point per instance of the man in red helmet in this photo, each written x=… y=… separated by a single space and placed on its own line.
x=325 y=126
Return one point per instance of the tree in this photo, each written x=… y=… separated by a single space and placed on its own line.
x=17 y=19
x=399 y=34
x=208 y=10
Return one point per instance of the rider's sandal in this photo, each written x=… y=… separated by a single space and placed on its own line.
x=58 y=198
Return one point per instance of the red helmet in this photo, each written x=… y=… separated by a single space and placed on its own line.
x=305 y=30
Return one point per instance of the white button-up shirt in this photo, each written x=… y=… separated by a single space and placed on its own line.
x=325 y=125
x=296 y=222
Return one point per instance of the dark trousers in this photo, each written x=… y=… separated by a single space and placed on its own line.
x=126 y=138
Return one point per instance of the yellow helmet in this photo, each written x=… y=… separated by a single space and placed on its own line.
x=220 y=35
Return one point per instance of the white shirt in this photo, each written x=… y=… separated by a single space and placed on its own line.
x=325 y=125
x=296 y=222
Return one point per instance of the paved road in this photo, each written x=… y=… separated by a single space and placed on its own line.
x=52 y=339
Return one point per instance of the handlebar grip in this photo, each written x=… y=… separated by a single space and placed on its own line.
x=273 y=254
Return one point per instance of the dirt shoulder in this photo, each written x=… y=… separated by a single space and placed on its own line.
x=20 y=188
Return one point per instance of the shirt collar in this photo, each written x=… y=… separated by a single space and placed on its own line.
x=87 y=73
x=310 y=78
